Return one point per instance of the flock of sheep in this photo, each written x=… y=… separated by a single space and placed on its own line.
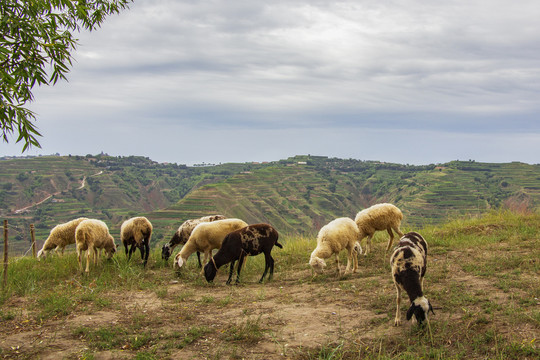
x=235 y=240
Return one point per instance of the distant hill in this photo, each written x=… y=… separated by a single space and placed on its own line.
x=296 y=195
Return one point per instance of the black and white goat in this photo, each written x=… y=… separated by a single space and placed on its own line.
x=248 y=241
x=408 y=264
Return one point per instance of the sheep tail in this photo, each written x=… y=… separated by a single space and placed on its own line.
x=279 y=245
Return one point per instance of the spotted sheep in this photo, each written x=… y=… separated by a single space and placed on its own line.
x=408 y=264
x=248 y=241
x=181 y=236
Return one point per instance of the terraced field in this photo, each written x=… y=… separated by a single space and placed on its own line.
x=298 y=195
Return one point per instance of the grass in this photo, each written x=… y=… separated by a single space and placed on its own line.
x=482 y=280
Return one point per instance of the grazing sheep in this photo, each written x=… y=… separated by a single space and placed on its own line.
x=249 y=241
x=61 y=236
x=337 y=235
x=408 y=264
x=376 y=218
x=181 y=235
x=137 y=232
x=206 y=237
x=92 y=235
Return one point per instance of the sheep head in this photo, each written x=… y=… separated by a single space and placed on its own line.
x=165 y=252
x=419 y=308
x=111 y=249
x=317 y=264
x=210 y=271
x=357 y=248
x=178 y=262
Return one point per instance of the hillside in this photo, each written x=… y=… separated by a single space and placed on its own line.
x=297 y=195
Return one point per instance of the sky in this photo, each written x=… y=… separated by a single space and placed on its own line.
x=410 y=82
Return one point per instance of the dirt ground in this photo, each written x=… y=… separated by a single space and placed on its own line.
x=284 y=318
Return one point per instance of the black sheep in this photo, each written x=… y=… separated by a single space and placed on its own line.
x=249 y=241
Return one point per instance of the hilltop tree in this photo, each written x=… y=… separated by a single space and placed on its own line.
x=36 y=35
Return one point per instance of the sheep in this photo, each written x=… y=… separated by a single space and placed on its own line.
x=408 y=264
x=61 y=236
x=181 y=235
x=376 y=218
x=92 y=235
x=206 y=237
x=249 y=241
x=337 y=235
x=137 y=232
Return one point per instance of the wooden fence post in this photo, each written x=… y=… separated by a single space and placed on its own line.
x=5 y=253
x=33 y=236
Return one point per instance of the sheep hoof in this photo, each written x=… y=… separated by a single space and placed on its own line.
x=397 y=322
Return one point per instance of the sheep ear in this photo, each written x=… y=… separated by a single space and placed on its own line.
x=180 y=261
x=410 y=312
x=431 y=308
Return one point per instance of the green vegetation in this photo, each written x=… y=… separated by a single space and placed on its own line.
x=297 y=195
x=482 y=279
x=36 y=48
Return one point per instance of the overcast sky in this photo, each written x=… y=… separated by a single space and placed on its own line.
x=410 y=81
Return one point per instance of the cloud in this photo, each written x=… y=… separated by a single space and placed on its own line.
x=306 y=67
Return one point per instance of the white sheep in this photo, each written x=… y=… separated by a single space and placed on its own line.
x=376 y=218
x=181 y=235
x=206 y=237
x=337 y=235
x=60 y=236
x=137 y=232
x=408 y=264
x=92 y=235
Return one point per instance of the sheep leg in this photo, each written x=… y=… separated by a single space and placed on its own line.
x=131 y=251
x=240 y=262
x=350 y=261
x=207 y=256
x=397 y=320
x=269 y=265
x=142 y=250
x=398 y=231
x=96 y=256
x=89 y=252
x=337 y=263
x=391 y=240
x=147 y=247
x=231 y=272
x=79 y=259
x=199 y=258
x=368 y=244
